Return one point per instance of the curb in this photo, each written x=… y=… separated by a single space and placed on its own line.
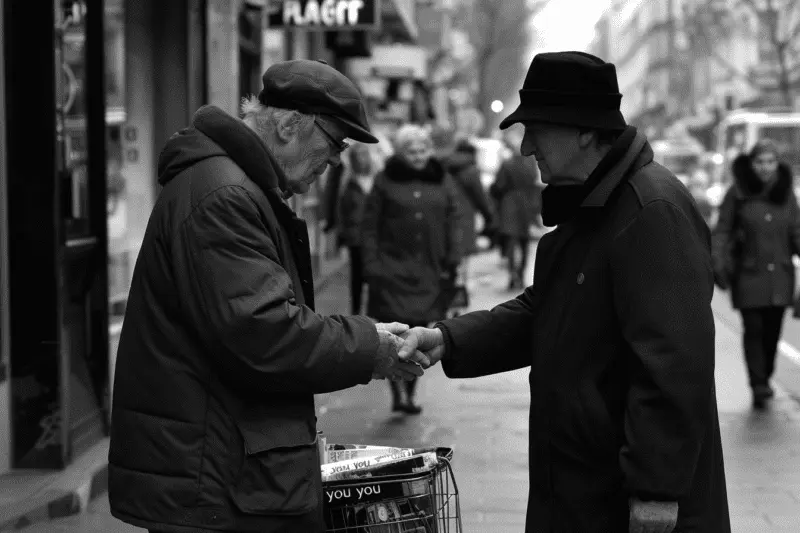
x=55 y=504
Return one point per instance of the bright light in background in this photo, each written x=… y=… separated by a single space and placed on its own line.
x=568 y=24
x=497 y=106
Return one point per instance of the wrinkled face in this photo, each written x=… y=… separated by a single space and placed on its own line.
x=557 y=152
x=417 y=153
x=312 y=151
x=766 y=166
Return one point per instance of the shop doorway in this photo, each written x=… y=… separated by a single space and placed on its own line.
x=57 y=236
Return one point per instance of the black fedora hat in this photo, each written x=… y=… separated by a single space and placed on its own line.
x=569 y=88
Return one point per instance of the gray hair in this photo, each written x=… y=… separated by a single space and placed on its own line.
x=409 y=133
x=264 y=118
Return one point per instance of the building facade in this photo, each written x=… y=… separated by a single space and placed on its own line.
x=111 y=81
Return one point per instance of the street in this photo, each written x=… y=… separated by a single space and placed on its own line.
x=485 y=422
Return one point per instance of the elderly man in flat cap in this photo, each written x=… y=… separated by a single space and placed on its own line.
x=221 y=353
x=617 y=327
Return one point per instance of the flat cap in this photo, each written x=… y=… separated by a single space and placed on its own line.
x=314 y=87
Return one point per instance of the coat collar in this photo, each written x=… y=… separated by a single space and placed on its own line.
x=638 y=155
x=243 y=146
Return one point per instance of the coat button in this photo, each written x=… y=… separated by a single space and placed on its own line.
x=768 y=217
x=771 y=267
x=417 y=194
x=581 y=277
x=418 y=216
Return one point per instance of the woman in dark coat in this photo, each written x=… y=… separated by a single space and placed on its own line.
x=411 y=238
x=757 y=233
x=472 y=197
x=351 y=212
x=517 y=191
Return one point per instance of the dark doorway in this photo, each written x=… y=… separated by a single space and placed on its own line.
x=57 y=239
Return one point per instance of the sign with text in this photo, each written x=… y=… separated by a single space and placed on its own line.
x=325 y=14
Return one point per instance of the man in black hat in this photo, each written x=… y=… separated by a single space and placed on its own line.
x=213 y=424
x=617 y=326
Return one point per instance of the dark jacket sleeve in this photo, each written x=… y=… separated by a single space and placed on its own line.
x=662 y=289
x=240 y=301
x=349 y=217
x=721 y=238
x=477 y=195
x=489 y=342
x=333 y=187
x=370 y=227
x=499 y=188
x=454 y=223
x=794 y=213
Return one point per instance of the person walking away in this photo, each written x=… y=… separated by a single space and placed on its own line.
x=221 y=353
x=411 y=238
x=617 y=328
x=518 y=195
x=757 y=234
x=361 y=176
x=472 y=198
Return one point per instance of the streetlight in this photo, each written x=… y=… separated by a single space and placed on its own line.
x=497 y=106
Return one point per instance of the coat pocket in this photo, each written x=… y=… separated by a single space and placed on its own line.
x=279 y=473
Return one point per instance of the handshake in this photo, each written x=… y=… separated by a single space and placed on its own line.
x=404 y=352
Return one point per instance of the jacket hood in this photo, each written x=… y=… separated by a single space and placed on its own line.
x=397 y=169
x=749 y=184
x=458 y=161
x=214 y=133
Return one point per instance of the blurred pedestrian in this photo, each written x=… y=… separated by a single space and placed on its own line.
x=517 y=193
x=411 y=238
x=617 y=327
x=757 y=234
x=221 y=354
x=462 y=165
x=361 y=176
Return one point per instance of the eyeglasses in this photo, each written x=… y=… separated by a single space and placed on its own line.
x=339 y=147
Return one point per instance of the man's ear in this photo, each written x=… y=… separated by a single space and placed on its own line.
x=288 y=127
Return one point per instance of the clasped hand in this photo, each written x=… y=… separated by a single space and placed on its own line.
x=403 y=353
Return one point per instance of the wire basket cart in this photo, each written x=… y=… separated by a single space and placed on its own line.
x=422 y=502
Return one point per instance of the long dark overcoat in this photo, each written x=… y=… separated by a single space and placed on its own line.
x=471 y=197
x=619 y=334
x=757 y=233
x=213 y=424
x=518 y=195
x=411 y=235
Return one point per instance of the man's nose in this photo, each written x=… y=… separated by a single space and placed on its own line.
x=528 y=147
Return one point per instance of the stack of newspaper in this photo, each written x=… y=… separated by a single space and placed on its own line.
x=356 y=461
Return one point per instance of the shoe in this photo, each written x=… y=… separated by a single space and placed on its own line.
x=397 y=407
x=761 y=393
x=770 y=392
x=411 y=408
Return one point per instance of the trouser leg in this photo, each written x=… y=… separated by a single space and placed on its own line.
x=773 y=324
x=356 y=278
x=753 y=340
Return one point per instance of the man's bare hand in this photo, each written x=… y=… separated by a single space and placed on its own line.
x=423 y=345
x=387 y=363
x=652 y=517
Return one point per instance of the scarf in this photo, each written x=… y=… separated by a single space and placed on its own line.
x=561 y=203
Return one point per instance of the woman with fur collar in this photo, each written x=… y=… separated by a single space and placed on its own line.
x=756 y=236
x=411 y=241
